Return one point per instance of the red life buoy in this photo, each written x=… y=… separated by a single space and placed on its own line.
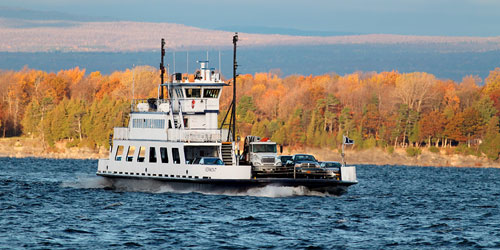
x=192 y=104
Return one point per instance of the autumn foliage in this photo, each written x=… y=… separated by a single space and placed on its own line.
x=387 y=109
x=70 y=104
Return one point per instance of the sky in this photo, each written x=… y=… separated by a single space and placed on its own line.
x=405 y=17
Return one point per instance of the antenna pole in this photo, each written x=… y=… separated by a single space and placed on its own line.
x=235 y=65
x=162 y=66
x=133 y=83
x=343 y=154
x=133 y=88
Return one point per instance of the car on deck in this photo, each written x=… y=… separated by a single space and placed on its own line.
x=284 y=159
x=330 y=164
x=208 y=161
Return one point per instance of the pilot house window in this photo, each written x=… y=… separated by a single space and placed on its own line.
x=193 y=93
x=211 y=93
x=179 y=93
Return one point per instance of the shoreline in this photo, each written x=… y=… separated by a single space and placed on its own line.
x=21 y=147
x=379 y=157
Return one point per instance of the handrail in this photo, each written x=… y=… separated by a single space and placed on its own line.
x=152 y=104
x=194 y=135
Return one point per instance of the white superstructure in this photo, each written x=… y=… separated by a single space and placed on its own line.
x=165 y=136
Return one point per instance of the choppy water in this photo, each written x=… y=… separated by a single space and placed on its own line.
x=56 y=204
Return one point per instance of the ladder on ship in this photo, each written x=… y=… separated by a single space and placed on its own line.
x=227 y=153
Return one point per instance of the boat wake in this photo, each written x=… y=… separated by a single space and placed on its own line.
x=277 y=192
x=88 y=182
x=152 y=186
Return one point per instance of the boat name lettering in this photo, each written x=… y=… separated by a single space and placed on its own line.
x=209 y=169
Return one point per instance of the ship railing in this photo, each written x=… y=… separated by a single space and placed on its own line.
x=190 y=105
x=194 y=135
x=163 y=105
x=150 y=105
x=120 y=133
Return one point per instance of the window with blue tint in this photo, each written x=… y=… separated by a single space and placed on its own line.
x=119 y=153
x=152 y=154
x=164 y=155
x=148 y=123
x=130 y=153
x=179 y=93
x=142 y=154
x=176 y=156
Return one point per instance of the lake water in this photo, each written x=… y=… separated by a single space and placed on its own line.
x=61 y=204
x=444 y=61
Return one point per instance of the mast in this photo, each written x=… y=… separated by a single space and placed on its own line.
x=162 y=66
x=235 y=65
x=232 y=108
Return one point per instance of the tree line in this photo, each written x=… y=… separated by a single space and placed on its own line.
x=386 y=109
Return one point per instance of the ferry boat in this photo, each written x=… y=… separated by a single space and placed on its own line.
x=176 y=139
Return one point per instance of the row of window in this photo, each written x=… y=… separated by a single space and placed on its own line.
x=159 y=175
x=148 y=123
x=196 y=93
x=152 y=158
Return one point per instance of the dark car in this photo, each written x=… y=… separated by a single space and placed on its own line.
x=332 y=167
x=284 y=159
x=303 y=160
x=330 y=164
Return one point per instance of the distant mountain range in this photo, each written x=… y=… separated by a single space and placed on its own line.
x=52 y=41
x=284 y=31
x=74 y=36
x=38 y=31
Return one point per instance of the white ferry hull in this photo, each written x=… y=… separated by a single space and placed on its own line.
x=327 y=186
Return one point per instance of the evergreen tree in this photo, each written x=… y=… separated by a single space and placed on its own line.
x=346 y=121
x=491 y=144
